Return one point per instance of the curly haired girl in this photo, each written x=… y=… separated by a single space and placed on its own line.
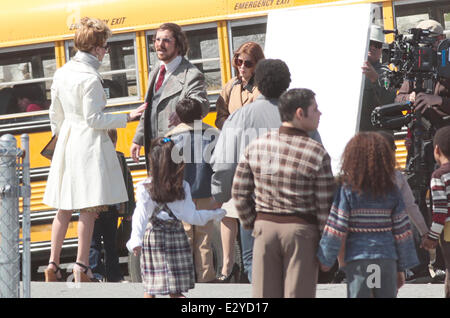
x=367 y=224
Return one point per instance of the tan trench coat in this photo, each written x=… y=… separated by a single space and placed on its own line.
x=232 y=98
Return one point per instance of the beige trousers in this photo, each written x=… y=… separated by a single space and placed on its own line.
x=284 y=260
x=199 y=238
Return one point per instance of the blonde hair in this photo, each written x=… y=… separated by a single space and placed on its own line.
x=91 y=33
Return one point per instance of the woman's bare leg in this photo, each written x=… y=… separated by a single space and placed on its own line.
x=59 y=230
x=85 y=230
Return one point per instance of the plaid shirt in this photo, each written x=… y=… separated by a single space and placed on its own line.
x=284 y=172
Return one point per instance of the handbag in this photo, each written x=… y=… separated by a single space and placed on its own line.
x=49 y=148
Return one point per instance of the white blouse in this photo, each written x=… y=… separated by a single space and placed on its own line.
x=184 y=210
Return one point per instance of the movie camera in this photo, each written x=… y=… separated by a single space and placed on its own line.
x=419 y=59
x=414 y=58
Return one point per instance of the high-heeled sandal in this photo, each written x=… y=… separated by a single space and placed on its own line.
x=52 y=276
x=82 y=276
x=234 y=273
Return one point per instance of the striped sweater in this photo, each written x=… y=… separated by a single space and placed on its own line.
x=374 y=228
x=440 y=192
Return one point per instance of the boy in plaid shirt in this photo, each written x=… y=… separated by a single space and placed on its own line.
x=283 y=188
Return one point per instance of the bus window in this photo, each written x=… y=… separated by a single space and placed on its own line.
x=118 y=68
x=446 y=25
x=408 y=15
x=245 y=31
x=410 y=21
x=26 y=75
x=447 y=21
x=248 y=30
x=203 y=52
x=30 y=97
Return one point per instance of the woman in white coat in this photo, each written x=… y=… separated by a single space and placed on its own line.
x=85 y=174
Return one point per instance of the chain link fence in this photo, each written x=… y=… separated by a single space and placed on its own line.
x=14 y=183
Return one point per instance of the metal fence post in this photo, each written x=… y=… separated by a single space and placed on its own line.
x=9 y=219
x=25 y=193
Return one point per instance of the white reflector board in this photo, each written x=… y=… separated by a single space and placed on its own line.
x=325 y=48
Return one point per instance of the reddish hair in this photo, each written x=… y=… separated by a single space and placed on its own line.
x=251 y=48
x=368 y=164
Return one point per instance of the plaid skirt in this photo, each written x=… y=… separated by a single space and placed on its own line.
x=166 y=260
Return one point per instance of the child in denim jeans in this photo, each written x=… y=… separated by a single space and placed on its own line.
x=367 y=225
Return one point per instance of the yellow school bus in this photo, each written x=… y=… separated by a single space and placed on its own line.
x=37 y=38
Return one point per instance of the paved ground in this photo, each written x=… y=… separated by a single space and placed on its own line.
x=135 y=290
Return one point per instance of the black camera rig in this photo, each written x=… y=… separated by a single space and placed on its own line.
x=418 y=59
x=413 y=58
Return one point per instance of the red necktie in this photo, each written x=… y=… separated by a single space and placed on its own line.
x=162 y=72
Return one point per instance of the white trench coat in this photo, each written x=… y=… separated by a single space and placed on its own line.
x=85 y=171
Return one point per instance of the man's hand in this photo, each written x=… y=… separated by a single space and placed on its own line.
x=135 y=151
x=324 y=268
x=174 y=120
x=424 y=101
x=428 y=243
x=137 y=250
x=370 y=72
x=216 y=205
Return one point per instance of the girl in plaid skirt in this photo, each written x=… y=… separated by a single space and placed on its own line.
x=163 y=201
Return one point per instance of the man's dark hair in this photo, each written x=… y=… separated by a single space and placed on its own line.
x=180 y=37
x=188 y=110
x=442 y=140
x=293 y=99
x=272 y=77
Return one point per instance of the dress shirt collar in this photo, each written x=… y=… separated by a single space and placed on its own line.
x=172 y=65
x=250 y=84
